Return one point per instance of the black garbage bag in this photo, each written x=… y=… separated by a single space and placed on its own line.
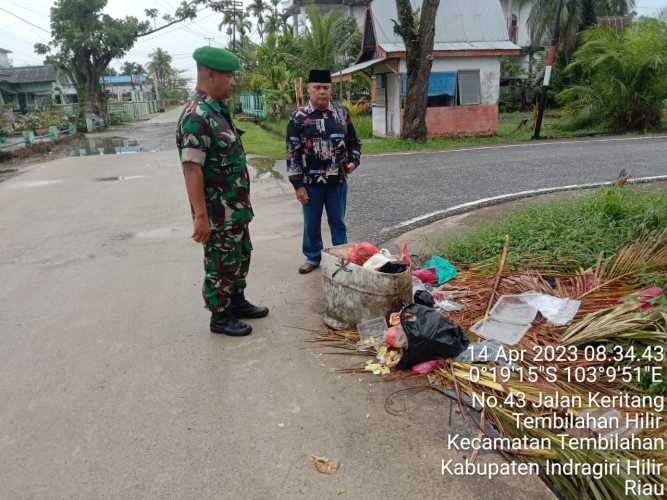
x=394 y=267
x=424 y=298
x=430 y=336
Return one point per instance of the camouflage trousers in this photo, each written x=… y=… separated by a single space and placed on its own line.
x=226 y=264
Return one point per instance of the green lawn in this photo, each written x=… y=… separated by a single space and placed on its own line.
x=258 y=141
x=568 y=234
x=268 y=140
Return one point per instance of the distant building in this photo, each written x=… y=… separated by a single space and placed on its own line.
x=4 y=58
x=29 y=88
x=471 y=37
x=352 y=8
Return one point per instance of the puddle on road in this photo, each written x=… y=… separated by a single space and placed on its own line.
x=159 y=233
x=264 y=167
x=31 y=184
x=105 y=146
x=119 y=178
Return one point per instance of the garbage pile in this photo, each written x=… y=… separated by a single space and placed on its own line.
x=480 y=336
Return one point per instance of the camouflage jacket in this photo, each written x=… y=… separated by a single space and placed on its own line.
x=320 y=144
x=207 y=136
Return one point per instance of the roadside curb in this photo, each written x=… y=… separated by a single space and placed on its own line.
x=523 y=144
x=426 y=219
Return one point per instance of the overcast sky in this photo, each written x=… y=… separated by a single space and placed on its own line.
x=179 y=40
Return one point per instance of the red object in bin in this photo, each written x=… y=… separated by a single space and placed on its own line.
x=361 y=252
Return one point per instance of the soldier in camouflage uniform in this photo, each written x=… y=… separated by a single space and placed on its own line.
x=218 y=186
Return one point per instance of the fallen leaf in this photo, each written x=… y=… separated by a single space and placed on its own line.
x=324 y=465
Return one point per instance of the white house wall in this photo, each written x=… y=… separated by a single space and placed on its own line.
x=489 y=72
x=379 y=123
x=522 y=11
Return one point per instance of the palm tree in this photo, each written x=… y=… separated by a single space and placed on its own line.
x=237 y=21
x=576 y=16
x=275 y=19
x=257 y=8
x=318 y=40
x=625 y=79
x=160 y=67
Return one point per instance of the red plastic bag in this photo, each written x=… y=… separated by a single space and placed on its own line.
x=361 y=252
x=395 y=337
x=427 y=275
x=405 y=256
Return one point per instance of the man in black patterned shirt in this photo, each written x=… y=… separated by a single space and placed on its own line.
x=322 y=149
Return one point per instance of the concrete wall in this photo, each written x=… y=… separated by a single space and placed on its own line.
x=479 y=119
x=522 y=12
x=462 y=120
x=379 y=123
x=394 y=100
x=358 y=12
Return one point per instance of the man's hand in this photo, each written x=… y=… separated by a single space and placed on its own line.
x=302 y=195
x=201 y=230
x=351 y=167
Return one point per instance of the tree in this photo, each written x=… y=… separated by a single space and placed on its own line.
x=625 y=77
x=575 y=17
x=662 y=14
x=257 y=8
x=275 y=20
x=277 y=63
x=160 y=67
x=347 y=41
x=237 y=21
x=84 y=41
x=132 y=68
x=319 y=44
x=418 y=36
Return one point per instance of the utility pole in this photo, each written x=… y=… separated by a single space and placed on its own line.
x=551 y=57
x=210 y=39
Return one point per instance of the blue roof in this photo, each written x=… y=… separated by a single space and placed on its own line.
x=121 y=79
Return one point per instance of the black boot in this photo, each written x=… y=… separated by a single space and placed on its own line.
x=244 y=309
x=226 y=323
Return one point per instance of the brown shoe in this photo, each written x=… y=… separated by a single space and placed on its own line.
x=308 y=267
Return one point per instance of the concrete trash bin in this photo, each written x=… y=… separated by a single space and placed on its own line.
x=354 y=294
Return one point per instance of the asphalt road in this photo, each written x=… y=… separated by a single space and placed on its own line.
x=112 y=386
x=391 y=189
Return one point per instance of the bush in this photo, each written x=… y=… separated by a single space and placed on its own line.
x=624 y=78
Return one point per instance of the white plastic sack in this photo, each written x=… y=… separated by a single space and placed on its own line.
x=378 y=260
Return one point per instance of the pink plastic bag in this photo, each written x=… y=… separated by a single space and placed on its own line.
x=361 y=252
x=429 y=275
x=395 y=337
x=427 y=366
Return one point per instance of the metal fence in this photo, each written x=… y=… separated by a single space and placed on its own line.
x=130 y=110
x=253 y=105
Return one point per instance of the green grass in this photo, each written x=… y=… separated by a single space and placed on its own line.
x=268 y=140
x=258 y=141
x=574 y=232
x=510 y=130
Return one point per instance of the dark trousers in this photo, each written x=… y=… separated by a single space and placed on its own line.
x=334 y=198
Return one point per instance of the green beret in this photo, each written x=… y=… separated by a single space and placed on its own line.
x=216 y=59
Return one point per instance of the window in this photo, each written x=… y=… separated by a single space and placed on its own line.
x=450 y=88
x=381 y=80
x=514 y=29
x=469 y=87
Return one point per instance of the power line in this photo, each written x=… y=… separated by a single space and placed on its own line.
x=24 y=20
x=178 y=27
